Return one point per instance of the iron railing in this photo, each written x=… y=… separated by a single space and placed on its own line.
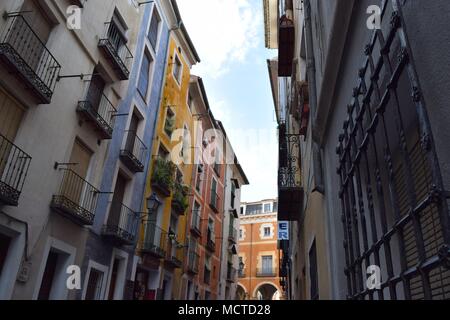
x=193 y=261
x=196 y=222
x=96 y=107
x=122 y=224
x=232 y=234
x=22 y=50
x=214 y=201
x=76 y=198
x=231 y=273
x=134 y=152
x=266 y=272
x=14 y=165
x=155 y=240
x=394 y=207
x=114 y=45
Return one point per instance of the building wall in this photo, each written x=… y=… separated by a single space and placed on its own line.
x=58 y=122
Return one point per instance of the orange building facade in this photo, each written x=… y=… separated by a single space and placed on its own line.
x=258 y=252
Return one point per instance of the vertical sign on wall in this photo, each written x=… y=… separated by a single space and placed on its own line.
x=283 y=230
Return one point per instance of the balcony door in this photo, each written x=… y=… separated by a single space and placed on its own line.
x=95 y=91
x=115 y=212
x=11 y=114
x=267 y=265
x=24 y=41
x=74 y=186
x=131 y=138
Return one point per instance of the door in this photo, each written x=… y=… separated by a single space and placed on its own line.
x=114 y=274
x=131 y=138
x=267 y=265
x=11 y=114
x=49 y=275
x=95 y=91
x=74 y=180
x=115 y=218
x=24 y=39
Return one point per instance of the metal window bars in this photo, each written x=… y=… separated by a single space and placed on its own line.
x=23 y=51
x=394 y=208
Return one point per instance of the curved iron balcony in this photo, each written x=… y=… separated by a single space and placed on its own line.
x=14 y=165
x=196 y=222
x=97 y=108
x=122 y=224
x=114 y=47
x=193 y=262
x=214 y=201
x=76 y=198
x=23 y=52
x=155 y=240
x=266 y=272
x=134 y=152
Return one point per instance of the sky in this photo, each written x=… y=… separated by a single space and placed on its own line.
x=229 y=37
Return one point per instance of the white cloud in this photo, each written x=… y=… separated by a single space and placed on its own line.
x=223 y=31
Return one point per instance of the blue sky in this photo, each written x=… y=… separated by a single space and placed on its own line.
x=229 y=37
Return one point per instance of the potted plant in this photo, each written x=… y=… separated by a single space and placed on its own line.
x=163 y=176
x=180 y=200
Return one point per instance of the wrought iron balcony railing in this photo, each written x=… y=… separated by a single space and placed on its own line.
x=23 y=52
x=122 y=224
x=214 y=201
x=134 y=152
x=76 y=198
x=193 y=261
x=14 y=165
x=115 y=48
x=196 y=222
x=266 y=272
x=97 y=108
x=211 y=241
x=174 y=255
x=290 y=192
x=155 y=240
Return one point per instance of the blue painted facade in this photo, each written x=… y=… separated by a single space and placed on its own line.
x=97 y=248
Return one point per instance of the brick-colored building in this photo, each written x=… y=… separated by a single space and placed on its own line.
x=258 y=252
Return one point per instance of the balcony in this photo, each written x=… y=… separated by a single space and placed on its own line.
x=163 y=176
x=193 y=262
x=180 y=199
x=114 y=47
x=207 y=275
x=290 y=191
x=214 y=201
x=134 y=152
x=26 y=56
x=231 y=273
x=232 y=235
x=155 y=241
x=76 y=199
x=98 y=110
x=14 y=165
x=286 y=45
x=266 y=272
x=211 y=241
x=122 y=225
x=196 y=222
x=174 y=254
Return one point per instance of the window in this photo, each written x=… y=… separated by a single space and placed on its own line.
x=144 y=76
x=214 y=198
x=154 y=29
x=198 y=182
x=313 y=272
x=241 y=233
x=207 y=270
x=189 y=101
x=177 y=69
x=233 y=194
x=254 y=209
x=4 y=248
x=275 y=207
x=94 y=286
x=196 y=215
x=267 y=232
x=267 y=207
x=242 y=210
x=169 y=125
x=267 y=264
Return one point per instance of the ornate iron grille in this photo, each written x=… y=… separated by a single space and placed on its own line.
x=394 y=209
